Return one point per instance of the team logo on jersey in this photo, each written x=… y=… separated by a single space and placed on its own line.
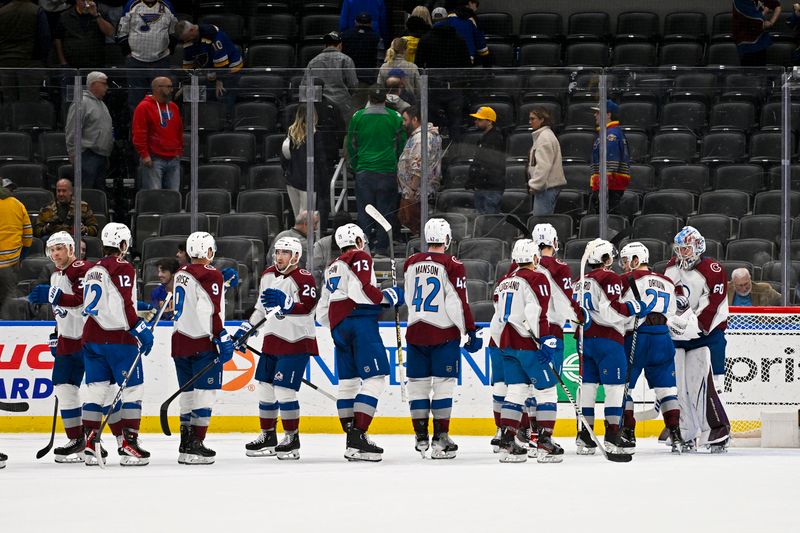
x=559 y=261
x=715 y=267
x=305 y=272
x=78 y=263
x=456 y=261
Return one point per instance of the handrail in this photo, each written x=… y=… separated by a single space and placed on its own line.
x=341 y=168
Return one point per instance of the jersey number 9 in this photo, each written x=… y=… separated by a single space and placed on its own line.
x=180 y=299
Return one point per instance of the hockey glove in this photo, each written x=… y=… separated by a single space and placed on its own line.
x=224 y=346
x=240 y=337
x=53 y=343
x=637 y=309
x=682 y=303
x=277 y=298
x=143 y=335
x=584 y=317
x=677 y=325
x=40 y=294
x=145 y=311
x=394 y=296
x=547 y=349
x=474 y=343
x=231 y=277
x=54 y=295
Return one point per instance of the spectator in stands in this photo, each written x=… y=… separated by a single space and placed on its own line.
x=158 y=137
x=360 y=43
x=80 y=35
x=397 y=97
x=181 y=255
x=97 y=135
x=338 y=73
x=487 y=172
x=417 y=25
x=396 y=60
x=144 y=34
x=8 y=184
x=409 y=168
x=113 y=10
x=15 y=239
x=299 y=231
x=743 y=291
x=375 y=139
x=53 y=10
x=460 y=18
x=794 y=23
x=293 y=159
x=618 y=160
x=545 y=169
x=752 y=20
x=206 y=46
x=24 y=44
x=374 y=8
x=166 y=272
x=60 y=214
x=438 y=15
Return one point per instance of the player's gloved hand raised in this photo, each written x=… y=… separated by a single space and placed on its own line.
x=637 y=309
x=240 y=336
x=277 y=298
x=230 y=276
x=474 y=343
x=224 y=346
x=394 y=296
x=53 y=343
x=40 y=294
x=547 y=349
x=143 y=335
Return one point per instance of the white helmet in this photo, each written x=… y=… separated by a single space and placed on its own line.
x=688 y=237
x=291 y=244
x=545 y=235
x=348 y=234
x=634 y=249
x=600 y=249
x=114 y=234
x=198 y=243
x=525 y=251
x=437 y=231
x=60 y=237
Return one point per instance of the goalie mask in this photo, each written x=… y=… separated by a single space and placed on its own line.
x=689 y=245
x=347 y=235
x=631 y=250
x=602 y=253
x=525 y=251
x=545 y=235
x=437 y=231
x=198 y=244
x=291 y=245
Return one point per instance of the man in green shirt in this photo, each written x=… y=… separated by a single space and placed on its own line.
x=375 y=140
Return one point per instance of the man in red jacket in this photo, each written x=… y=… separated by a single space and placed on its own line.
x=158 y=137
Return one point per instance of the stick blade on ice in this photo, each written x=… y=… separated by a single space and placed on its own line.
x=14 y=407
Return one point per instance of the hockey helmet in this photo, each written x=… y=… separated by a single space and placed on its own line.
x=631 y=250
x=689 y=245
x=60 y=238
x=437 y=231
x=545 y=235
x=198 y=243
x=114 y=234
x=293 y=245
x=601 y=252
x=525 y=251
x=348 y=234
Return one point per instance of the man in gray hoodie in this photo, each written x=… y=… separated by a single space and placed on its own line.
x=97 y=137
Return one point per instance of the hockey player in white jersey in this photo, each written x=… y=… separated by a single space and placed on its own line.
x=350 y=305
x=438 y=316
x=112 y=336
x=287 y=346
x=655 y=352
x=528 y=350
x=604 y=358
x=65 y=294
x=199 y=338
x=699 y=334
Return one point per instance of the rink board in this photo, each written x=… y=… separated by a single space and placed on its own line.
x=762 y=366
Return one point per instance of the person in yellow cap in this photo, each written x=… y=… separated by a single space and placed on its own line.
x=487 y=173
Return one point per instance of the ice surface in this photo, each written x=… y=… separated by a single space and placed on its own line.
x=744 y=490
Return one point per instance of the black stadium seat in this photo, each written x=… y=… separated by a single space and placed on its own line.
x=541 y=26
x=637 y=26
x=713 y=226
x=731 y=203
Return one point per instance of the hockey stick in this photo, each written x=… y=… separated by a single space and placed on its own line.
x=304 y=380
x=124 y=384
x=163 y=414
x=517 y=223
x=14 y=407
x=380 y=219
x=44 y=451
x=634 y=335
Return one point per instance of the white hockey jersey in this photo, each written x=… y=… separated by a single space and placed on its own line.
x=706 y=287
x=199 y=309
x=657 y=293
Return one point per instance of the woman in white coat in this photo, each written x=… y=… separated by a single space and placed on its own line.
x=545 y=170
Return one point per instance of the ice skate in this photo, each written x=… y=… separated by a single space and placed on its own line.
x=197 y=453
x=524 y=437
x=185 y=432
x=548 y=451
x=443 y=447
x=615 y=442
x=663 y=437
x=510 y=451
x=360 y=447
x=585 y=444
x=630 y=435
x=263 y=446
x=130 y=453
x=422 y=443
x=89 y=452
x=719 y=439
x=71 y=452
x=289 y=448
x=496 y=441
x=676 y=441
